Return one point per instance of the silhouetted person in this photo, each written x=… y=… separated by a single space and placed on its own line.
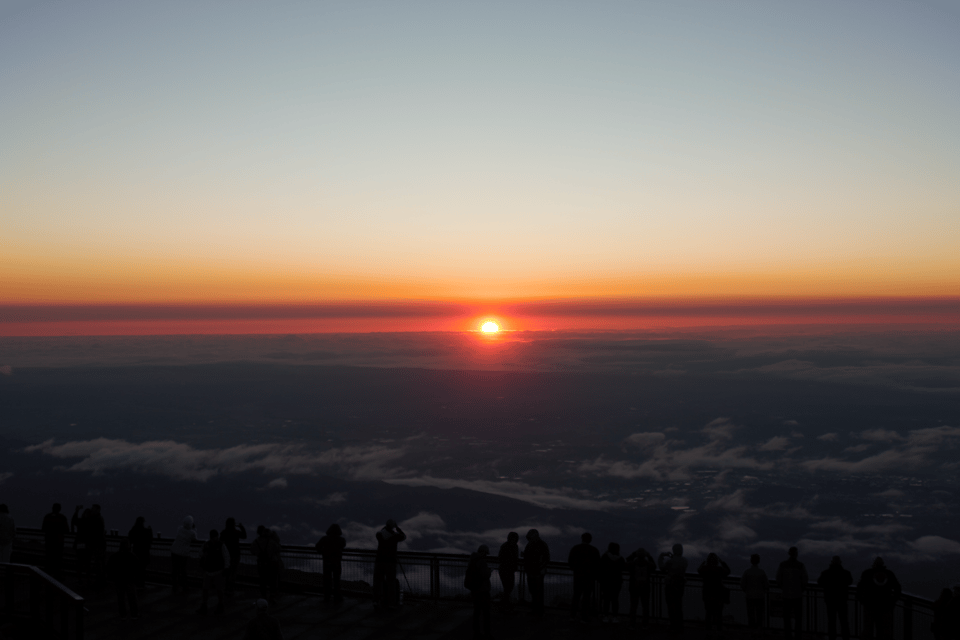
x=610 y=577
x=477 y=580
x=584 y=561
x=835 y=582
x=266 y=548
x=754 y=584
x=55 y=528
x=214 y=560
x=942 y=609
x=96 y=541
x=953 y=613
x=509 y=562
x=123 y=569
x=713 y=570
x=385 y=564
x=674 y=566
x=640 y=565
x=180 y=551
x=8 y=533
x=231 y=536
x=331 y=547
x=878 y=592
x=141 y=539
x=792 y=579
x=264 y=626
x=536 y=556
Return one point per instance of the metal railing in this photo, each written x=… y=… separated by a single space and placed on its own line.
x=440 y=575
x=33 y=597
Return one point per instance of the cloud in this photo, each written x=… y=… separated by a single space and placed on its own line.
x=732 y=529
x=829 y=437
x=935 y=546
x=644 y=440
x=540 y=496
x=333 y=499
x=880 y=435
x=721 y=428
x=183 y=462
x=279 y=483
x=6 y=475
x=6 y=370
x=777 y=443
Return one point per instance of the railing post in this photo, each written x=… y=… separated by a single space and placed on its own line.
x=435 y=577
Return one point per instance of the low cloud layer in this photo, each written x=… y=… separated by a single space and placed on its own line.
x=540 y=496
x=181 y=461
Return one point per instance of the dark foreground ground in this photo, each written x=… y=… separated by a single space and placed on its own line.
x=165 y=614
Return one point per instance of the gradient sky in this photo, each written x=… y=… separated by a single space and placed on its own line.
x=304 y=152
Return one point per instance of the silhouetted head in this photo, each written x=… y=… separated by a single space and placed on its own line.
x=586 y=538
x=4 y=508
x=755 y=559
x=835 y=562
x=261 y=530
x=678 y=549
x=483 y=550
x=391 y=524
x=613 y=548
x=713 y=560
x=533 y=534
x=230 y=523
x=214 y=534
x=792 y=552
x=334 y=530
x=513 y=536
x=878 y=563
x=96 y=509
x=139 y=521
x=262 y=607
x=188 y=522
x=56 y=507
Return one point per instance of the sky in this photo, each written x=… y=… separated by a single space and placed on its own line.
x=178 y=155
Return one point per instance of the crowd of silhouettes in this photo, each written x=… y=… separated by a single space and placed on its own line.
x=597 y=579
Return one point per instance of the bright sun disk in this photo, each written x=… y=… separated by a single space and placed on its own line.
x=490 y=327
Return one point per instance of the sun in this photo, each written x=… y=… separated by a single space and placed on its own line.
x=490 y=327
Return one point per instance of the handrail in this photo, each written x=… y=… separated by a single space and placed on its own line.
x=48 y=602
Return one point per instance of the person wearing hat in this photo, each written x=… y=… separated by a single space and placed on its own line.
x=477 y=580
x=264 y=626
x=536 y=556
x=835 y=582
x=878 y=590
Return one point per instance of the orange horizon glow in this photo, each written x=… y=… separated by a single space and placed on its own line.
x=512 y=316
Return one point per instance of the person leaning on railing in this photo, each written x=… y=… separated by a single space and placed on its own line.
x=835 y=582
x=509 y=562
x=640 y=565
x=536 y=556
x=713 y=570
x=674 y=566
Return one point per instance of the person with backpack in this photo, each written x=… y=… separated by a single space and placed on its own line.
x=792 y=579
x=477 y=581
x=640 y=565
x=508 y=563
x=214 y=560
x=713 y=570
x=835 y=582
x=878 y=592
x=584 y=561
x=331 y=547
x=754 y=584
x=266 y=548
x=610 y=577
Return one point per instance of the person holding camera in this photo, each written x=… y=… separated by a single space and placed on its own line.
x=385 y=565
